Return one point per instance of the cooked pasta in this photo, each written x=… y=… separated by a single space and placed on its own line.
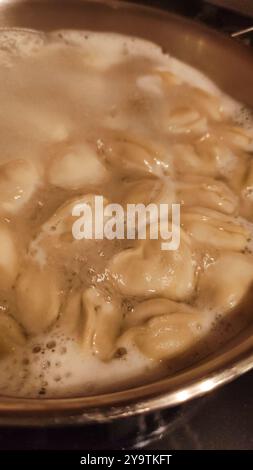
x=93 y=114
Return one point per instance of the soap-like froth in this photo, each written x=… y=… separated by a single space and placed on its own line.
x=75 y=90
x=52 y=365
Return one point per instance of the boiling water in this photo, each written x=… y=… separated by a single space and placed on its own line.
x=67 y=89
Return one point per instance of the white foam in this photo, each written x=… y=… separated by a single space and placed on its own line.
x=244 y=117
x=107 y=49
x=150 y=84
x=19 y=43
x=55 y=365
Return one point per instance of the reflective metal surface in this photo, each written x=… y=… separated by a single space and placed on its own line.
x=230 y=65
x=218 y=421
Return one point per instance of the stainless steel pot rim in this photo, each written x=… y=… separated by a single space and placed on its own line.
x=138 y=400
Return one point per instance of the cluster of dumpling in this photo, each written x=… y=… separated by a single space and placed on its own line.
x=203 y=167
x=212 y=270
x=19 y=179
x=26 y=274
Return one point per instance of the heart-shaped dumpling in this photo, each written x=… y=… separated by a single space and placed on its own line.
x=147 y=270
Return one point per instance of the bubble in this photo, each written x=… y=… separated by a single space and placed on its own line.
x=244 y=117
x=53 y=364
x=57 y=378
x=15 y=43
x=120 y=352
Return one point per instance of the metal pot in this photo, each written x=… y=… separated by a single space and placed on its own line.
x=230 y=65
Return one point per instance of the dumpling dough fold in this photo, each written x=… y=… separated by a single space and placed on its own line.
x=212 y=228
x=94 y=319
x=225 y=282
x=163 y=329
x=147 y=270
x=38 y=296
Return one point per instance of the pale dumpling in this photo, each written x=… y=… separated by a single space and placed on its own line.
x=8 y=257
x=77 y=166
x=147 y=270
x=11 y=335
x=209 y=157
x=206 y=192
x=213 y=228
x=198 y=100
x=150 y=190
x=247 y=188
x=60 y=225
x=164 y=329
x=94 y=318
x=239 y=137
x=186 y=120
x=70 y=318
x=18 y=181
x=225 y=283
x=101 y=320
x=147 y=309
x=207 y=103
x=38 y=296
x=63 y=227
x=128 y=154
